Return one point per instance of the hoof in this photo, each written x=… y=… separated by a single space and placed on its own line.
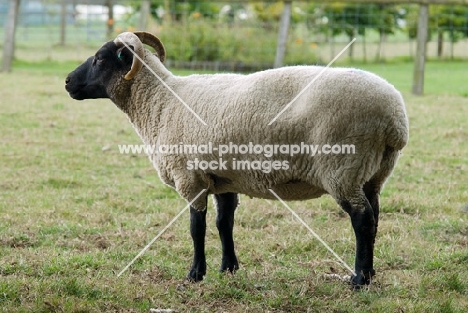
x=361 y=279
x=194 y=276
x=231 y=268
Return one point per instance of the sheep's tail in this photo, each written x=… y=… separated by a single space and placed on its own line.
x=398 y=130
x=387 y=164
x=396 y=139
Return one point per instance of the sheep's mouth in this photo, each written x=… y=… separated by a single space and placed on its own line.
x=74 y=93
x=75 y=96
x=84 y=91
x=72 y=90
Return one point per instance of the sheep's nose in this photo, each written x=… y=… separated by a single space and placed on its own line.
x=67 y=80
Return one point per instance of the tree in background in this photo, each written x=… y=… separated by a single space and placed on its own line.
x=354 y=19
x=349 y=19
x=268 y=13
x=388 y=20
x=443 y=19
x=449 y=19
x=179 y=10
x=204 y=25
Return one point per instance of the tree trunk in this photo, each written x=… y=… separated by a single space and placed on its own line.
x=283 y=34
x=9 y=44
x=440 y=43
x=351 y=48
x=364 y=50
x=452 y=44
x=380 y=51
x=332 y=45
x=110 y=18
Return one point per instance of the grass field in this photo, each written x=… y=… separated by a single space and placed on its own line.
x=74 y=212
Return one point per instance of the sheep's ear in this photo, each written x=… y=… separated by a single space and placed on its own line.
x=125 y=55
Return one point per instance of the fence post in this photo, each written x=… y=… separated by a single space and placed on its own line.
x=283 y=34
x=9 y=44
x=420 y=57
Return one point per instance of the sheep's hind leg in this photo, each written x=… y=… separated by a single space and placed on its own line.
x=198 y=231
x=373 y=187
x=362 y=219
x=226 y=205
x=372 y=192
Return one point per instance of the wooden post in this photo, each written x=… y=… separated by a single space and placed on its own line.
x=9 y=45
x=283 y=34
x=420 y=57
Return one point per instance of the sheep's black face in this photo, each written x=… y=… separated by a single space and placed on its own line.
x=91 y=80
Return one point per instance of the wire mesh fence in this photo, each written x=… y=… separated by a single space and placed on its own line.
x=239 y=35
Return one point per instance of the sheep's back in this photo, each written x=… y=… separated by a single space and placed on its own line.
x=341 y=103
x=341 y=107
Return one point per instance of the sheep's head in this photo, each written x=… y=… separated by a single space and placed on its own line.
x=111 y=63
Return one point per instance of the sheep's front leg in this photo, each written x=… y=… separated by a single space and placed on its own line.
x=362 y=219
x=226 y=205
x=197 y=231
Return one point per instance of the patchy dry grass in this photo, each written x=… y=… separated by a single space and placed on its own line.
x=74 y=212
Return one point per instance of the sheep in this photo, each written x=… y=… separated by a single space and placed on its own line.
x=343 y=106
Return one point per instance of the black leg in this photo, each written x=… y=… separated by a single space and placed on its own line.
x=373 y=187
x=372 y=195
x=197 y=231
x=362 y=219
x=226 y=205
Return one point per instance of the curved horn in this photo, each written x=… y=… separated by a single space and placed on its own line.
x=154 y=42
x=132 y=40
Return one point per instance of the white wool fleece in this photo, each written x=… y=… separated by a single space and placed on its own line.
x=343 y=106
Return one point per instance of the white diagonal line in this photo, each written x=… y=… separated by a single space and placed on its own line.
x=160 y=233
x=313 y=80
x=313 y=233
x=164 y=83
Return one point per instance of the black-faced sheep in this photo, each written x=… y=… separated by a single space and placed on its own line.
x=342 y=107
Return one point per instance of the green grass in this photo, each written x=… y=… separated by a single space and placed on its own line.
x=74 y=212
x=441 y=78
